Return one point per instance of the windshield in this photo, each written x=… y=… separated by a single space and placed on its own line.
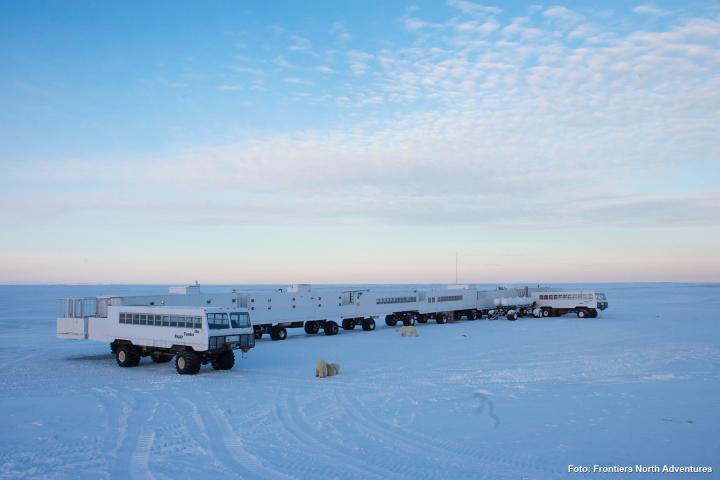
x=600 y=296
x=217 y=321
x=240 y=320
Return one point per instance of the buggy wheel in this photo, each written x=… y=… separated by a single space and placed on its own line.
x=278 y=333
x=368 y=324
x=187 y=362
x=331 y=328
x=224 y=360
x=127 y=355
x=311 y=328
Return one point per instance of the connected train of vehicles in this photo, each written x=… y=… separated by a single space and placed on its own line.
x=199 y=327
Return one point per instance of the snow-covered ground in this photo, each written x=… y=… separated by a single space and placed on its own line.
x=472 y=399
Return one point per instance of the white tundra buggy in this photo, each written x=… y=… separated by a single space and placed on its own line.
x=193 y=335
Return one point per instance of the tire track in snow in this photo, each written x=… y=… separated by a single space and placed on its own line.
x=133 y=440
x=141 y=456
x=502 y=465
x=335 y=462
x=233 y=445
x=200 y=435
x=434 y=463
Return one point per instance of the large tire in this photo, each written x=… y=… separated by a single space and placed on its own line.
x=257 y=331
x=593 y=313
x=127 y=355
x=224 y=360
x=582 y=313
x=187 y=363
x=422 y=318
x=440 y=318
x=472 y=315
x=408 y=321
x=331 y=328
x=546 y=312
x=311 y=328
x=158 y=357
x=368 y=324
x=512 y=316
x=348 y=324
x=278 y=333
x=390 y=320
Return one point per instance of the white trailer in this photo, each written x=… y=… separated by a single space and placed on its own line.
x=584 y=304
x=194 y=335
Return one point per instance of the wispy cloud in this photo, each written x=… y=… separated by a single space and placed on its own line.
x=340 y=31
x=460 y=128
x=649 y=9
x=229 y=88
x=281 y=62
x=299 y=44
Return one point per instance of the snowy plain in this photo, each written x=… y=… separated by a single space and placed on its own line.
x=466 y=400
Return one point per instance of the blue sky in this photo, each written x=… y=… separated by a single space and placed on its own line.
x=247 y=142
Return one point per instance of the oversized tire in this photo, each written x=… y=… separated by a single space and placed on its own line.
x=278 y=333
x=546 y=312
x=311 y=328
x=440 y=319
x=512 y=316
x=368 y=324
x=390 y=320
x=581 y=313
x=159 y=357
x=127 y=355
x=224 y=360
x=348 y=324
x=473 y=315
x=331 y=328
x=422 y=318
x=187 y=363
x=593 y=313
x=257 y=331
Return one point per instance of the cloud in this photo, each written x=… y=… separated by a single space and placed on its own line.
x=648 y=9
x=466 y=6
x=229 y=88
x=359 y=61
x=297 y=81
x=250 y=70
x=300 y=44
x=584 y=126
x=324 y=69
x=563 y=14
x=281 y=62
x=340 y=31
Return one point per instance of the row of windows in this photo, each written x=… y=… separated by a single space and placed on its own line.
x=181 y=321
x=449 y=298
x=385 y=300
x=218 y=321
x=567 y=296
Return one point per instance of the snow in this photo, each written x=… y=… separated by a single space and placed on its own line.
x=471 y=399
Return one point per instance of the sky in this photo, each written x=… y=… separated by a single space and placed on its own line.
x=359 y=142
